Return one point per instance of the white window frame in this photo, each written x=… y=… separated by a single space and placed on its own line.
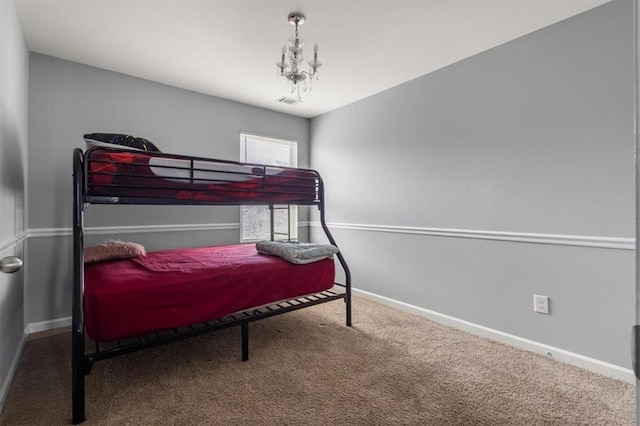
x=293 y=162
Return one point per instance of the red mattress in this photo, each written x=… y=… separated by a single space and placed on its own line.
x=156 y=175
x=174 y=288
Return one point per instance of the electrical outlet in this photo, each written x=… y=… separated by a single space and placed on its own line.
x=541 y=304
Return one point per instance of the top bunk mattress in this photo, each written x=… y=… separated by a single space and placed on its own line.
x=175 y=288
x=151 y=175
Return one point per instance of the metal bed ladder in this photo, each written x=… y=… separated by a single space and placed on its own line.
x=272 y=217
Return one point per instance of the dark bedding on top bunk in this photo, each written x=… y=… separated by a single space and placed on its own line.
x=155 y=175
x=174 y=288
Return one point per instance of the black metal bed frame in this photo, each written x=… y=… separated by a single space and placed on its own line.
x=82 y=361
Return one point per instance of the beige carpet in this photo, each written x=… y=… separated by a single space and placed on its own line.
x=307 y=368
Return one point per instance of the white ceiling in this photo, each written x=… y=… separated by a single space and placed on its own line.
x=229 y=48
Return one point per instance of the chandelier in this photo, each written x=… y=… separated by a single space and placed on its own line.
x=294 y=52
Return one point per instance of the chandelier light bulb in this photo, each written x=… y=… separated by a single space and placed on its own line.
x=282 y=64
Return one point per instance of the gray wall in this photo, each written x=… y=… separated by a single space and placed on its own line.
x=13 y=156
x=68 y=99
x=534 y=136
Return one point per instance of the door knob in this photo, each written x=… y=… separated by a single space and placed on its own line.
x=10 y=264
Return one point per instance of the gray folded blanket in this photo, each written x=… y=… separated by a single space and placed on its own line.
x=295 y=252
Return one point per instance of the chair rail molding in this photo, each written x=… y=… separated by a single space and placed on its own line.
x=519 y=237
x=617 y=243
x=9 y=243
x=136 y=229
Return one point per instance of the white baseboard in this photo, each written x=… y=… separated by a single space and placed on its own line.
x=591 y=364
x=4 y=390
x=562 y=355
x=36 y=327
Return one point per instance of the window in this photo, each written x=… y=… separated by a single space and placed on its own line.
x=255 y=220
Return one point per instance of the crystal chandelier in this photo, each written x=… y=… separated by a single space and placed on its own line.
x=294 y=52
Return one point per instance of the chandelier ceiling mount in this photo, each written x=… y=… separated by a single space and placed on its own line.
x=296 y=18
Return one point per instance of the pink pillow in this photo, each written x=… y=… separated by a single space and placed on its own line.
x=113 y=249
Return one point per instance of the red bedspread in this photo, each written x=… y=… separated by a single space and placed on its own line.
x=131 y=174
x=174 y=288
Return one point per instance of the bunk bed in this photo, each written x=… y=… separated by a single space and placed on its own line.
x=248 y=287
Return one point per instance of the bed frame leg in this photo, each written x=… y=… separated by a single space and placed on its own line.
x=77 y=386
x=244 y=327
x=78 y=366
